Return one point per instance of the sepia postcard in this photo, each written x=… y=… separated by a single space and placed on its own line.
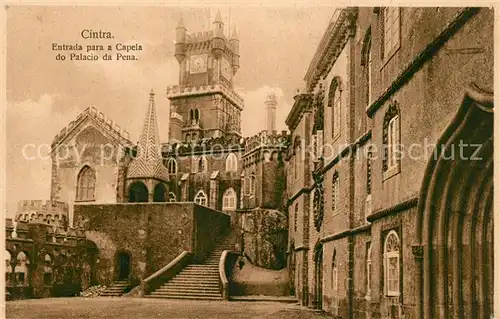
x=249 y=160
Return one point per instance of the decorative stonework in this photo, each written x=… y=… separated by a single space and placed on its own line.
x=418 y=251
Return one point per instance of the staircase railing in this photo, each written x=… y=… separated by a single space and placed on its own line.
x=226 y=264
x=163 y=275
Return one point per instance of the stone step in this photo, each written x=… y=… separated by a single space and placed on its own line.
x=209 y=269
x=190 y=286
x=195 y=281
x=185 y=297
x=186 y=294
x=197 y=277
x=191 y=289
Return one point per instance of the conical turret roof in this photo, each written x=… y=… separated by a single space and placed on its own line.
x=148 y=161
x=218 y=17
x=234 y=36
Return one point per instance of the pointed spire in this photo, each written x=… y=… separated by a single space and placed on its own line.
x=218 y=17
x=148 y=161
x=234 y=36
x=149 y=143
x=180 y=25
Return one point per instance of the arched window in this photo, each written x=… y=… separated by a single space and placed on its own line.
x=231 y=163
x=229 y=200
x=335 y=272
x=47 y=276
x=202 y=164
x=391 y=264
x=138 y=193
x=8 y=267
x=49 y=219
x=335 y=193
x=171 y=197
x=367 y=63
x=335 y=103
x=368 y=269
x=201 y=198
x=253 y=185
x=247 y=185
x=33 y=217
x=188 y=138
x=172 y=166
x=296 y=162
x=85 y=189
x=21 y=269
x=391 y=138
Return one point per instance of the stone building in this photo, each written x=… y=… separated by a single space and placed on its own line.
x=390 y=195
x=142 y=206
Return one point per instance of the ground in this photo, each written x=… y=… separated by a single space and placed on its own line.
x=72 y=308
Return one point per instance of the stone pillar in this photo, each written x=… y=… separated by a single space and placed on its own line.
x=214 y=192
x=418 y=254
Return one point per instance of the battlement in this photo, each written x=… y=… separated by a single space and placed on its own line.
x=175 y=115
x=264 y=139
x=42 y=211
x=196 y=37
x=20 y=230
x=174 y=91
x=122 y=134
x=41 y=205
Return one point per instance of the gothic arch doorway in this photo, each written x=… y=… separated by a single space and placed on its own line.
x=318 y=276
x=123 y=265
x=455 y=216
x=137 y=193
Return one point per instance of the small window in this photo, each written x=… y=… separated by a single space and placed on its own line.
x=391 y=30
x=172 y=166
x=253 y=185
x=202 y=164
x=231 y=163
x=393 y=141
x=201 y=198
x=334 y=101
x=391 y=138
x=85 y=189
x=335 y=192
x=229 y=200
x=391 y=264
x=335 y=272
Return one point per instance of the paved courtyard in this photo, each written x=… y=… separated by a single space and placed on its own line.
x=69 y=308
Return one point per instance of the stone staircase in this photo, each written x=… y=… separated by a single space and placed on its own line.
x=116 y=289
x=197 y=281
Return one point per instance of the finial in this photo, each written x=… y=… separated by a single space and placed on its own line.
x=181 y=23
x=218 y=17
x=152 y=93
x=234 y=35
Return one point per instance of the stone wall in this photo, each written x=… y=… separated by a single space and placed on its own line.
x=265 y=237
x=152 y=234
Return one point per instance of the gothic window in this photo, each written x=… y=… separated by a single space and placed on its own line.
x=21 y=269
x=47 y=273
x=253 y=185
x=231 y=163
x=188 y=138
x=335 y=104
x=297 y=162
x=368 y=269
x=86 y=184
x=49 y=218
x=201 y=198
x=172 y=166
x=335 y=192
x=335 y=272
x=392 y=26
x=391 y=264
x=229 y=200
x=295 y=217
x=171 y=197
x=246 y=185
x=391 y=137
x=367 y=63
x=202 y=164
x=318 y=207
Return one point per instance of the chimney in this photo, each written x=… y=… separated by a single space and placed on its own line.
x=270 y=104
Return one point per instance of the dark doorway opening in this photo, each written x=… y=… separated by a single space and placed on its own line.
x=138 y=193
x=318 y=276
x=123 y=266
x=159 y=193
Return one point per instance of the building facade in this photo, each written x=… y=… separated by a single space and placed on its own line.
x=390 y=211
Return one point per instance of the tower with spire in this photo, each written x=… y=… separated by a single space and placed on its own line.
x=204 y=103
x=146 y=175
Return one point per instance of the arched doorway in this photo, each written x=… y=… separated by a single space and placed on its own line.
x=137 y=193
x=318 y=276
x=455 y=217
x=159 y=193
x=123 y=262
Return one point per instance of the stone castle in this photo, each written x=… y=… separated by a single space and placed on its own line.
x=360 y=229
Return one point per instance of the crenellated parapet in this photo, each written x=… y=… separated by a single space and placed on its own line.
x=174 y=91
x=43 y=211
x=268 y=140
x=120 y=134
x=226 y=143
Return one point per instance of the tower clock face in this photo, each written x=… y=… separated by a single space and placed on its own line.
x=198 y=63
x=226 y=70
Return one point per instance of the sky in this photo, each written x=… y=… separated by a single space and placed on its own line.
x=277 y=44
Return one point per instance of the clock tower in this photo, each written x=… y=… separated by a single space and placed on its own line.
x=204 y=104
